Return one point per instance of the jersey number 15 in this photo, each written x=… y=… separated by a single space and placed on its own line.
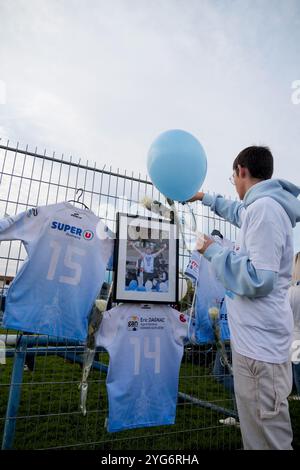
x=68 y=263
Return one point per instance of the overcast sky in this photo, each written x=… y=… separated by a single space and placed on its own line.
x=101 y=79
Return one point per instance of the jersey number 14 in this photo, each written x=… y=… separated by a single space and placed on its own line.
x=147 y=354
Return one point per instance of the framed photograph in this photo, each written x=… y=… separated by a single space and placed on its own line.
x=146 y=260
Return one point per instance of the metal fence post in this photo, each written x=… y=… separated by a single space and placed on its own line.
x=14 y=395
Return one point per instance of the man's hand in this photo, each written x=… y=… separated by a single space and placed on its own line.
x=198 y=197
x=203 y=242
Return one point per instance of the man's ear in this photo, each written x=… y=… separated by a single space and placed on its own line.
x=243 y=172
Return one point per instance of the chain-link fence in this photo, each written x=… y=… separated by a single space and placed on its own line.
x=39 y=396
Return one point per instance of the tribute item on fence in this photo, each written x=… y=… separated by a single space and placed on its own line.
x=146 y=260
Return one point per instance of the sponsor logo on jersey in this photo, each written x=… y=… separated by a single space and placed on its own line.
x=152 y=323
x=32 y=212
x=153 y=320
x=193 y=265
x=77 y=215
x=192 y=269
x=133 y=323
x=71 y=230
x=182 y=318
x=223 y=316
x=88 y=235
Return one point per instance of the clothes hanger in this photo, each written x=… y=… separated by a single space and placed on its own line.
x=79 y=196
x=110 y=233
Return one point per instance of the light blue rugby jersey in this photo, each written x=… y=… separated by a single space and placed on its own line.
x=68 y=250
x=145 y=347
x=210 y=293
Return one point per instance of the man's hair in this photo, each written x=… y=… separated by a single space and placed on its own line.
x=258 y=160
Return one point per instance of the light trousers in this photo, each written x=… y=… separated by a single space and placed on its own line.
x=261 y=391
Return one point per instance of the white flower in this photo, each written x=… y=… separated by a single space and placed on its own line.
x=213 y=313
x=147 y=202
x=101 y=305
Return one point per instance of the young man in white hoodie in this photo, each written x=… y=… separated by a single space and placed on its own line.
x=257 y=276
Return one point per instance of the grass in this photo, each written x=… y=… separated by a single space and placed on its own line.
x=49 y=415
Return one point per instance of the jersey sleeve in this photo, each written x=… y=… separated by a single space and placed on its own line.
x=108 y=328
x=24 y=226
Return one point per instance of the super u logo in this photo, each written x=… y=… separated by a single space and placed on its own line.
x=71 y=229
x=88 y=235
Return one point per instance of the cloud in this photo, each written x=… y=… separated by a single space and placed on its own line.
x=102 y=80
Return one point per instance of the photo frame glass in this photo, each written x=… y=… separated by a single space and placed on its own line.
x=146 y=260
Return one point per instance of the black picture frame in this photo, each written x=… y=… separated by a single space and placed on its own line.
x=120 y=293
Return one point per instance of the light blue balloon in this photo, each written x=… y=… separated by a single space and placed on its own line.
x=177 y=164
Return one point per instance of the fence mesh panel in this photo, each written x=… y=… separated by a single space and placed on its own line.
x=48 y=415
